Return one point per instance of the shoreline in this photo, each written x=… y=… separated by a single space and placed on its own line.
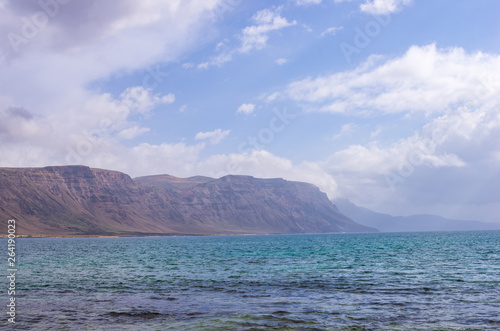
x=211 y=234
x=103 y=236
x=135 y=235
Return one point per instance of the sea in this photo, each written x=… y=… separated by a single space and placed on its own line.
x=371 y=281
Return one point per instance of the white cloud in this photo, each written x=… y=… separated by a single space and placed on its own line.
x=440 y=143
x=140 y=100
x=424 y=79
x=263 y=164
x=62 y=120
x=273 y=96
x=281 y=61
x=114 y=27
x=332 y=31
x=214 y=137
x=380 y=7
x=79 y=134
x=17 y=124
x=307 y=27
x=204 y=65
x=376 y=132
x=450 y=159
x=246 y=108
x=132 y=132
x=345 y=130
x=374 y=160
x=87 y=42
x=146 y=159
x=252 y=37
x=307 y=2
x=266 y=21
x=383 y=6
x=222 y=44
x=218 y=60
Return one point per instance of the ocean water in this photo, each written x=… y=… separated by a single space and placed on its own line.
x=380 y=281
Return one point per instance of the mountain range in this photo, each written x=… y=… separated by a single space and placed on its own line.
x=424 y=222
x=78 y=200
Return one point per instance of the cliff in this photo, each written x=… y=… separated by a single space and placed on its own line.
x=77 y=200
x=244 y=203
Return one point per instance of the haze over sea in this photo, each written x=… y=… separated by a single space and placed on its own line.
x=378 y=281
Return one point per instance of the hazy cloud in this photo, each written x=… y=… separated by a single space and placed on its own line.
x=281 y=61
x=452 y=158
x=345 y=130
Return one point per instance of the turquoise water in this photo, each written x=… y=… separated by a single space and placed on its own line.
x=383 y=281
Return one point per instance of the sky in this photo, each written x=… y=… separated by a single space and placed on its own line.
x=392 y=104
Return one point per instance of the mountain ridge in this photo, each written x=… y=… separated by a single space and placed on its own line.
x=412 y=223
x=78 y=200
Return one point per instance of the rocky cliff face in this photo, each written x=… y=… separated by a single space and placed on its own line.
x=243 y=203
x=80 y=200
x=76 y=200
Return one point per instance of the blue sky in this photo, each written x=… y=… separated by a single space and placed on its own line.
x=392 y=104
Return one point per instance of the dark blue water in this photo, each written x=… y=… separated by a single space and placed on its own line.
x=408 y=281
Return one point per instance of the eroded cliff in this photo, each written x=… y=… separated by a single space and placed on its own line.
x=78 y=200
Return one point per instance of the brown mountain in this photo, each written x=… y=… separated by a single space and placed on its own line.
x=78 y=200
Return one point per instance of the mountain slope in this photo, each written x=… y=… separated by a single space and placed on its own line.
x=388 y=223
x=253 y=205
x=80 y=200
x=77 y=200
